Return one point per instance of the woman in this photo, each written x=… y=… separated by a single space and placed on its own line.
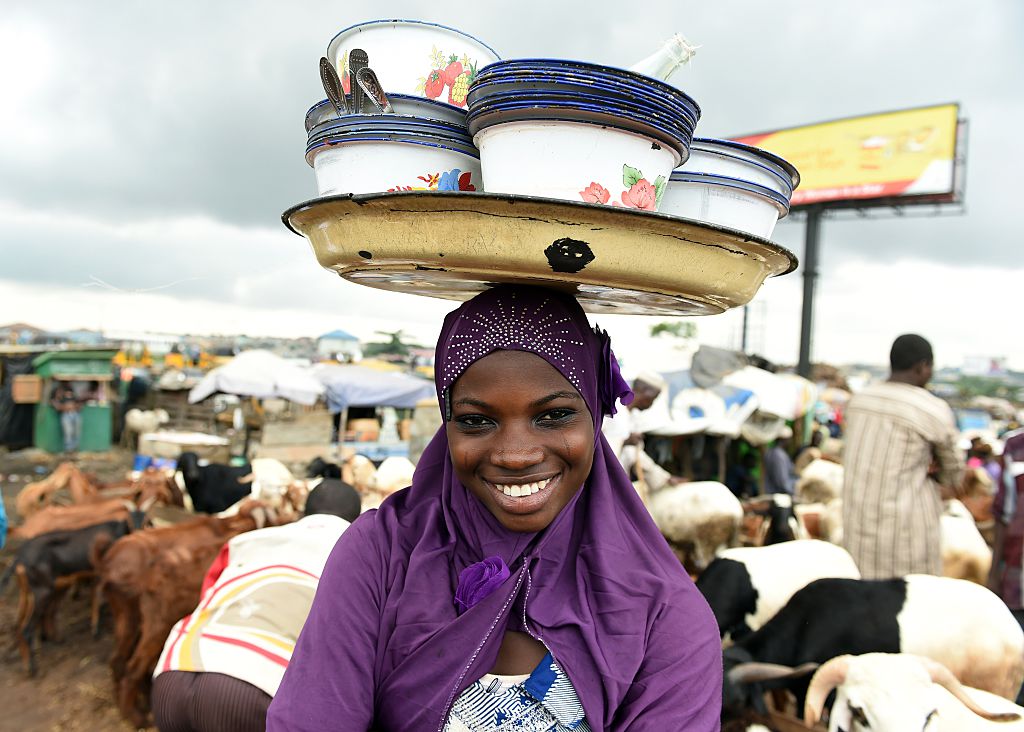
x=519 y=583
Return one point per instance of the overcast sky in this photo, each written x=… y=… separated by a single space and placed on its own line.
x=147 y=151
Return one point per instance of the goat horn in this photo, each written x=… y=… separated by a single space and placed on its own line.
x=827 y=678
x=746 y=673
x=945 y=678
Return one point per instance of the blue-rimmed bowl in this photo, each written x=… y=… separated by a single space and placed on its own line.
x=583 y=91
x=403 y=105
x=568 y=68
x=554 y=111
x=384 y=156
x=725 y=201
x=413 y=57
x=580 y=75
x=391 y=123
x=633 y=117
x=485 y=90
x=578 y=131
x=745 y=162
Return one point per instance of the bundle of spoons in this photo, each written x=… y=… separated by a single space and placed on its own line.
x=367 y=93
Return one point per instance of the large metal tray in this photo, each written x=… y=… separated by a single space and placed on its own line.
x=614 y=260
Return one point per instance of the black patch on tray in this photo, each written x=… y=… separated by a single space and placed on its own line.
x=568 y=255
x=365 y=254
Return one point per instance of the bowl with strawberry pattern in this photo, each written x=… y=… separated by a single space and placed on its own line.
x=414 y=57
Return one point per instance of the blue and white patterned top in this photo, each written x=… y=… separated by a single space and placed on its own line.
x=544 y=701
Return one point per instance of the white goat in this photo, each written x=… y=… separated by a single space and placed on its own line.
x=965 y=555
x=698 y=519
x=897 y=692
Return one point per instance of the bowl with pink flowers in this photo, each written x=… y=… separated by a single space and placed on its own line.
x=579 y=132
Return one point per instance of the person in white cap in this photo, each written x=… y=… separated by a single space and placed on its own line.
x=627 y=440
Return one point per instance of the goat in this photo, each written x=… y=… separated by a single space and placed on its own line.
x=46 y=566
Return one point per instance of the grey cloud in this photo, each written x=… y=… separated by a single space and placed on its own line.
x=195 y=109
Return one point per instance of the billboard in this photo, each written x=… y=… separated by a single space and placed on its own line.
x=902 y=157
x=984 y=366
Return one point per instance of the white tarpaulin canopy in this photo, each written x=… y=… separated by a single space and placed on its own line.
x=748 y=401
x=356 y=386
x=783 y=395
x=260 y=374
x=688 y=409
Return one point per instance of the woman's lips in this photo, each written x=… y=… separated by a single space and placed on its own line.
x=523 y=498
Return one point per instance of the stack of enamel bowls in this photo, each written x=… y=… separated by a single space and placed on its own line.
x=580 y=132
x=732 y=184
x=424 y=145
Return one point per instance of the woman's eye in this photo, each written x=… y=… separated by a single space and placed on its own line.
x=472 y=421
x=556 y=416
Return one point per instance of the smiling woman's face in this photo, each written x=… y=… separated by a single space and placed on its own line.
x=521 y=438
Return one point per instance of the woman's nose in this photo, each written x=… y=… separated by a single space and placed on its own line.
x=517 y=454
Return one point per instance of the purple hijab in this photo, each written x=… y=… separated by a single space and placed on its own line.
x=386 y=646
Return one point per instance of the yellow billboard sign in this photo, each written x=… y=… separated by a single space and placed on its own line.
x=908 y=153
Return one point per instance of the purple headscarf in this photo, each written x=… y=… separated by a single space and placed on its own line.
x=386 y=647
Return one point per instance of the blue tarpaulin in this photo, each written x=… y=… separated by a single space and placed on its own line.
x=356 y=386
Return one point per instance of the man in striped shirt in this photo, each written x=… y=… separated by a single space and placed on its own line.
x=900 y=456
x=221 y=665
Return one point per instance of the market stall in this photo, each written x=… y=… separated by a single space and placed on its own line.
x=385 y=434
x=88 y=373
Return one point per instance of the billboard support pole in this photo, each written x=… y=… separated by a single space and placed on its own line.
x=812 y=233
x=743 y=337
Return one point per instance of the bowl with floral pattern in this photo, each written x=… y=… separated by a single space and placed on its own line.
x=385 y=157
x=584 y=140
x=415 y=58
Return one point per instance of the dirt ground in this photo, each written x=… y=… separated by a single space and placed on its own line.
x=72 y=691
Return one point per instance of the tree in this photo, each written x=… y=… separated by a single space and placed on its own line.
x=394 y=346
x=682 y=329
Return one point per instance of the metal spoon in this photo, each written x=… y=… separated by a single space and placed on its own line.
x=370 y=85
x=332 y=85
x=357 y=59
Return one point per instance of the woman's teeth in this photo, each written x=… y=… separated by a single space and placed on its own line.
x=526 y=489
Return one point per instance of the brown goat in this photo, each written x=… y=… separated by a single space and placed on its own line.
x=66 y=518
x=39 y=494
x=150 y=488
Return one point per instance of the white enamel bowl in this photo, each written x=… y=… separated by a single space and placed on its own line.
x=574 y=161
x=723 y=201
x=415 y=58
x=745 y=162
x=360 y=165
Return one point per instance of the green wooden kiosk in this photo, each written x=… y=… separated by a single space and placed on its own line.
x=81 y=366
